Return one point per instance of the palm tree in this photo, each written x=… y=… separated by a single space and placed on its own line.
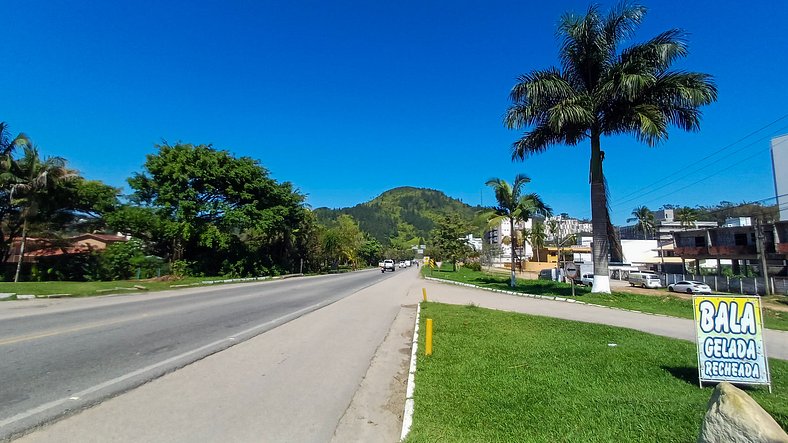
x=537 y=238
x=601 y=90
x=30 y=179
x=514 y=206
x=645 y=218
x=686 y=216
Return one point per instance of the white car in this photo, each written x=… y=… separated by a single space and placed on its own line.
x=587 y=280
x=690 y=287
x=402 y=264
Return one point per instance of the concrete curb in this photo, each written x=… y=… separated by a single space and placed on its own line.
x=543 y=297
x=407 y=415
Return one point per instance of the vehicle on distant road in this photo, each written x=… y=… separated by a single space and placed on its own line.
x=644 y=279
x=587 y=280
x=388 y=265
x=690 y=287
x=402 y=264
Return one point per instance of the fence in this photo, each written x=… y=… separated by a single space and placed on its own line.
x=717 y=283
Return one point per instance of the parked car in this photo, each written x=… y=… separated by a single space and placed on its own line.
x=587 y=280
x=644 y=279
x=402 y=264
x=690 y=287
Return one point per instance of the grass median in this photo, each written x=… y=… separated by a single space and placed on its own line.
x=87 y=289
x=661 y=302
x=499 y=377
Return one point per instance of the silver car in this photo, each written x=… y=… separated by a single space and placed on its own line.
x=690 y=287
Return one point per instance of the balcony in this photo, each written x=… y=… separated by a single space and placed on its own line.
x=691 y=251
x=732 y=251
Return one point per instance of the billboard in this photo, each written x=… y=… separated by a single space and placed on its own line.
x=730 y=339
x=780 y=168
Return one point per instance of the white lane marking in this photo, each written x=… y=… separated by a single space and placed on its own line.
x=407 y=414
x=55 y=403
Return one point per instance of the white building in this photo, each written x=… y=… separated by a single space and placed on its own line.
x=737 y=221
x=780 y=169
x=566 y=226
x=501 y=235
x=474 y=242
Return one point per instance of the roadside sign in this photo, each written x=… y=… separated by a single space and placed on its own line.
x=729 y=334
x=571 y=270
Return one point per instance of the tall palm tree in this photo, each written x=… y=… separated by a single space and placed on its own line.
x=601 y=90
x=646 y=221
x=30 y=179
x=515 y=206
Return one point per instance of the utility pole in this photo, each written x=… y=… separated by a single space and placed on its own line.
x=761 y=250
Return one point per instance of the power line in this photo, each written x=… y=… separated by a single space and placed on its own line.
x=708 y=165
x=710 y=155
x=757 y=153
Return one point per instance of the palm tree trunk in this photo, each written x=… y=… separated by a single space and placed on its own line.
x=21 y=252
x=514 y=245
x=599 y=218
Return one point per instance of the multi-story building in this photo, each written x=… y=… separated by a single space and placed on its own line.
x=501 y=235
x=565 y=226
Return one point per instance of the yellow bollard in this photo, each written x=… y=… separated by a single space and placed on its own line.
x=424 y=292
x=428 y=338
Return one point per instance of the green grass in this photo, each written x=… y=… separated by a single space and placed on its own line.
x=86 y=289
x=662 y=302
x=505 y=377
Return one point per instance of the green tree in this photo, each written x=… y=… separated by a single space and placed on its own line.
x=514 y=206
x=600 y=91
x=222 y=212
x=647 y=224
x=31 y=181
x=448 y=238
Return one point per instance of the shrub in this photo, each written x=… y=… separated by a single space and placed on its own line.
x=473 y=266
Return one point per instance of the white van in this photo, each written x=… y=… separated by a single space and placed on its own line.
x=644 y=279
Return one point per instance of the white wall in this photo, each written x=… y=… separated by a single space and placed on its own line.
x=639 y=251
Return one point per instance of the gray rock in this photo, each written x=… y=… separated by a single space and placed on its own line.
x=733 y=416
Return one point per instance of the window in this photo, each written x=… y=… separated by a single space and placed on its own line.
x=740 y=239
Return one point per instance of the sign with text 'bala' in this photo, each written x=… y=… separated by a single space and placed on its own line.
x=730 y=340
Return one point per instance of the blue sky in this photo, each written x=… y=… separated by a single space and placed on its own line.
x=349 y=99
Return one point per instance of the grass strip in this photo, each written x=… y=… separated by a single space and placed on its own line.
x=93 y=288
x=504 y=377
x=662 y=302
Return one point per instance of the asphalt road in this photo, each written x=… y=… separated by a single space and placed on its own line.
x=63 y=356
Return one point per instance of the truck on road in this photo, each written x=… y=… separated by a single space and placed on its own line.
x=387 y=265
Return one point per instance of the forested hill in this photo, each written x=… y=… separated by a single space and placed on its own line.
x=403 y=213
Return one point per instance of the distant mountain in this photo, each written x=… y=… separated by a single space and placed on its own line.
x=404 y=213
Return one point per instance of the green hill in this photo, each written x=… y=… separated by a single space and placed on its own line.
x=404 y=213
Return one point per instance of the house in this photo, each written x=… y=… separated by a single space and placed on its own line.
x=740 y=244
x=36 y=248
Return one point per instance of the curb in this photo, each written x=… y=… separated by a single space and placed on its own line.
x=407 y=415
x=543 y=297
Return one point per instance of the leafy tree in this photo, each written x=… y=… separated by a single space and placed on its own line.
x=219 y=211
x=448 y=239
x=601 y=90
x=515 y=207
x=370 y=251
x=647 y=224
